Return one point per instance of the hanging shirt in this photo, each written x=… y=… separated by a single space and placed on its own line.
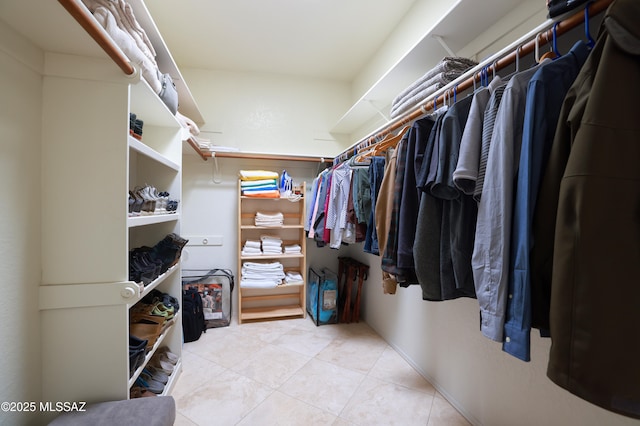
x=490 y=114
x=490 y=260
x=545 y=95
x=311 y=206
x=383 y=214
x=466 y=173
x=416 y=144
x=458 y=210
x=355 y=231
x=390 y=256
x=426 y=247
x=337 y=207
x=362 y=194
x=320 y=217
x=376 y=173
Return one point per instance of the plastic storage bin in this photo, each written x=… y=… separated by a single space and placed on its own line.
x=215 y=287
x=322 y=296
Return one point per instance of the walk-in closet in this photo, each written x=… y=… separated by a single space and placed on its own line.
x=401 y=212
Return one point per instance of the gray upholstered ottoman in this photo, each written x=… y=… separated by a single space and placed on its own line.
x=156 y=411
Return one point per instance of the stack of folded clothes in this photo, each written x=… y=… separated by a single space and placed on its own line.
x=447 y=70
x=261 y=275
x=269 y=219
x=293 y=277
x=259 y=183
x=271 y=245
x=251 y=248
x=293 y=249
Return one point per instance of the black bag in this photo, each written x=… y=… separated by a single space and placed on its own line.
x=192 y=315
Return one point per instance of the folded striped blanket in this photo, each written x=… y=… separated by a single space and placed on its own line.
x=447 y=70
x=257 y=175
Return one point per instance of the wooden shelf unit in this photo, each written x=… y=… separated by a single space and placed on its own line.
x=283 y=301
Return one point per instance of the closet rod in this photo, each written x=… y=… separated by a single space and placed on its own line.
x=82 y=15
x=426 y=106
x=258 y=155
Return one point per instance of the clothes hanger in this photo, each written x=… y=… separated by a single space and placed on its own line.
x=361 y=159
x=517 y=70
x=446 y=99
x=389 y=142
x=554 y=53
x=536 y=55
x=551 y=54
x=590 y=41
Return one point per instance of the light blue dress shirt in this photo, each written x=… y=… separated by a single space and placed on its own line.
x=545 y=94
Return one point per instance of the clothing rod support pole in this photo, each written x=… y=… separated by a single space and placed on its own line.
x=82 y=15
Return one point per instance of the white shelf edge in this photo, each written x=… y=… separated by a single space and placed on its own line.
x=166 y=64
x=272 y=256
x=144 y=149
x=173 y=378
x=134 y=221
x=385 y=88
x=155 y=283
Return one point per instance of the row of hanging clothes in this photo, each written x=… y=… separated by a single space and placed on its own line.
x=524 y=195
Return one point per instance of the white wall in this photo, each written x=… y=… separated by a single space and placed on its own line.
x=20 y=133
x=270 y=113
x=442 y=340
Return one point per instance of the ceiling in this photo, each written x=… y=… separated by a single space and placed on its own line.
x=328 y=39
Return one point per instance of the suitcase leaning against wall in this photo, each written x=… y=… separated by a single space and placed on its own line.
x=215 y=287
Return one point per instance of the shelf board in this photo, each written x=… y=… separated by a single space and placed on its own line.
x=134 y=221
x=272 y=227
x=271 y=312
x=144 y=149
x=272 y=256
x=166 y=63
x=245 y=197
x=173 y=379
x=155 y=283
x=278 y=287
x=458 y=27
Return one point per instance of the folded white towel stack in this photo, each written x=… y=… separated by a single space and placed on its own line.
x=251 y=248
x=261 y=275
x=271 y=244
x=293 y=249
x=269 y=219
x=293 y=277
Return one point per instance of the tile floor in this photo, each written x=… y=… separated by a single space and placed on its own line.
x=291 y=372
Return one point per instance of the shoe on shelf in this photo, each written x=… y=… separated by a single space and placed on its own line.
x=170 y=356
x=161 y=364
x=156 y=374
x=146 y=327
x=145 y=381
x=161 y=310
x=140 y=392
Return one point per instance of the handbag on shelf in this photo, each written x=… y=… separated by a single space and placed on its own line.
x=169 y=93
